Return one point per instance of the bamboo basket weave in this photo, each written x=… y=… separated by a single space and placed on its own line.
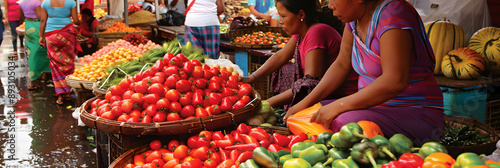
x=77 y=84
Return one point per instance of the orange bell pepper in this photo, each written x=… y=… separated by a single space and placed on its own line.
x=491 y=161
x=438 y=160
x=370 y=129
x=480 y=166
x=299 y=122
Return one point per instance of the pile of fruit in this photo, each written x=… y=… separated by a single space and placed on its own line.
x=213 y=149
x=108 y=48
x=135 y=39
x=99 y=13
x=174 y=88
x=241 y=22
x=120 y=27
x=96 y=69
x=143 y=48
x=262 y=38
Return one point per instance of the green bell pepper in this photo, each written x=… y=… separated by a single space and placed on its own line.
x=352 y=132
x=323 y=138
x=365 y=152
x=265 y=158
x=345 y=163
x=299 y=146
x=468 y=159
x=431 y=147
x=296 y=163
x=336 y=153
x=250 y=163
x=401 y=143
x=319 y=165
x=385 y=150
x=283 y=152
x=314 y=154
x=337 y=142
x=284 y=158
x=493 y=165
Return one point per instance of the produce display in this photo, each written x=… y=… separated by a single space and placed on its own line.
x=96 y=70
x=120 y=27
x=444 y=36
x=233 y=7
x=485 y=42
x=141 y=16
x=462 y=63
x=99 y=13
x=105 y=24
x=135 y=39
x=111 y=47
x=262 y=38
x=265 y=115
x=241 y=22
x=463 y=136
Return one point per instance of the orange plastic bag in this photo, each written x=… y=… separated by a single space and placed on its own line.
x=299 y=122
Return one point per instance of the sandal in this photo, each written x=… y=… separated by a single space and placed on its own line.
x=60 y=101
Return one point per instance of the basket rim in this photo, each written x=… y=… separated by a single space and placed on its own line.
x=123 y=159
x=152 y=128
x=478 y=125
x=77 y=83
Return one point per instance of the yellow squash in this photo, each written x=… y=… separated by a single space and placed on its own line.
x=462 y=63
x=444 y=36
x=487 y=43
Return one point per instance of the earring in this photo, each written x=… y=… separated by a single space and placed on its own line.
x=301 y=20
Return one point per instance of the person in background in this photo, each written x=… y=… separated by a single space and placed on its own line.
x=12 y=15
x=178 y=5
x=202 y=26
x=314 y=45
x=261 y=10
x=88 y=29
x=37 y=55
x=386 y=44
x=58 y=35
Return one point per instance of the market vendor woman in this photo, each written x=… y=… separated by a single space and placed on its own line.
x=88 y=29
x=298 y=67
x=386 y=44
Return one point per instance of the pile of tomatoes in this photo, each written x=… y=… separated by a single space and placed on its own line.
x=262 y=38
x=174 y=88
x=213 y=149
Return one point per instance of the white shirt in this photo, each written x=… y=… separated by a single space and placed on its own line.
x=202 y=13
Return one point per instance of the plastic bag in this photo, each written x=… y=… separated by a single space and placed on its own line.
x=224 y=62
x=300 y=122
x=172 y=18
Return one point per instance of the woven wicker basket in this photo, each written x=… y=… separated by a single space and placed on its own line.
x=78 y=65
x=97 y=91
x=457 y=121
x=80 y=84
x=128 y=157
x=168 y=128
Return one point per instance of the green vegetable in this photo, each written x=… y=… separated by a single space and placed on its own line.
x=431 y=147
x=401 y=143
x=352 y=132
x=250 y=163
x=336 y=153
x=385 y=149
x=299 y=146
x=468 y=159
x=365 y=152
x=296 y=163
x=284 y=158
x=283 y=152
x=337 y=142
x=314 y=154
x=265 y=158
x=345 y=163
x=324 y=137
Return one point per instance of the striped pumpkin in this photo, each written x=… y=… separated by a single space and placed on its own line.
x=444 y=36
x=486 y=42
x=462 y=63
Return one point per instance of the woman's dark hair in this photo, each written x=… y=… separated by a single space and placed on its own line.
x=88 y=12
x=314 y=12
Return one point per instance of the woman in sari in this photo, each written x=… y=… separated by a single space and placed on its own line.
x=37 y=55
x=386 y=44
x=58 y=35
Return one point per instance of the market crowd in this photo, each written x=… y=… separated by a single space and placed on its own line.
x=362 y=60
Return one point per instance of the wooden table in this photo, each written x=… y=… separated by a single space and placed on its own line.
x=245 y=56
x=483 y=81
x=161 y=33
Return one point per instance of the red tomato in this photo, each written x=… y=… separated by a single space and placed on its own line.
x=244 y=89
x=198 y=72
x=133 y=119
x=151 y=98
x=188 y=67
x=160 y=117
x=175 y=107
x=171 y=80
x=186 y=99
x=201 y=83
x=135 y=113
x=158 y=162
x=156 y=88
x=217 y=135
x=117 y=111
x=168 y=156
x=201 y=112
x=158 y=78
x=162 y=105
x=197 y=99
x=172 y=163
x=171 y=70
x=125 y=83
x=187 y=111
x=172 y=145
x=172 y=95
x=202 y=142
x=210 y=163
x=123 y=118
x=152 y=156
x=207 y=135
x=214 y=87
x=104 y=108
x=214 y=98
x=192 y=142
x=207 y=74
x=181 y=152
x=194 y=163
x=214 y=71
x=137 y=98
x=195 y=62
x=183 y=75
x=201 y=153
x=94 y=103
x=176 y=61
x=167 y=57
x=139 y=160
x=127 y=106
x=183 y=86
x=146 y=119
x=225 y=74
x=140 y=87
x=128 y=94
x=155 y=145
x=173 y=117
x=215 y=157
x=116 y=90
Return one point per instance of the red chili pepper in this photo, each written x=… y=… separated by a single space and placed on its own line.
x=243 y=128
x=274 y=148
x=224 y=154
x=249 y=139
x=410 y=160
x=314 y=137
x=297 y=138
x=392 y=164
x=234 y=154
x=265 y=143
x=244 y=157
x=259 y=133
x=243 y=147
x=280 y=140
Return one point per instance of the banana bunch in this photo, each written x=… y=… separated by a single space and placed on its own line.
x=263 y=115
x=99 y=13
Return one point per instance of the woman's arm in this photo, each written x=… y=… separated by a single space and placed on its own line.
x=42 y=15
x=21 y=15
x=275 y=62
x=6 y=16
x=220 y=7
x=314 y=66
x=38 y=11
x=396 y=46
x=74 y=15
x=258 y=14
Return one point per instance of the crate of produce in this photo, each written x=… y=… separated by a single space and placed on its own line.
x=105 y=38
x=493 y=115
x=231 y=35
x=107 y=23
x=185 y=126
x=466 y=102
x=473 y=126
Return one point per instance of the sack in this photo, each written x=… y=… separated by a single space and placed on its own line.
x=171 y=18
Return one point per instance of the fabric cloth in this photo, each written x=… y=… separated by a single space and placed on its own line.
x=180 y=6
x=87 y=30
x=13 y=25
x=202 y=13
x=418 y=111
x=62 y=47
x=28 y=7
x=58 y=17
x=37 y=55
x=262 y=6
x=13 y=10
x=207 y=38
x=89 y=4
x=283 y=79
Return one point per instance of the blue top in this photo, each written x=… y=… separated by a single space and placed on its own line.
x=262 y=6
x=58 y=16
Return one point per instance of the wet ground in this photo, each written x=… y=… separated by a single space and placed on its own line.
x=35 y=131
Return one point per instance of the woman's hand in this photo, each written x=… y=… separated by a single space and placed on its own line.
x=324 y=116
x=245 y=79
x=42 y=42
x=294 y=109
